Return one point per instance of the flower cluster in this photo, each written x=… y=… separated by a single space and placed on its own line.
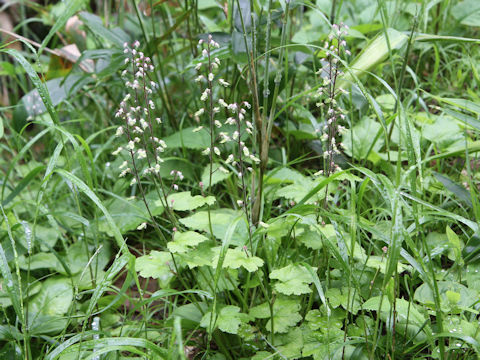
x=138 y=120
x=232 y=129
x=140 y=125
x=329 y=92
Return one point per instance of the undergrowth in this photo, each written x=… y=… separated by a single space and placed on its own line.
x=240 y=180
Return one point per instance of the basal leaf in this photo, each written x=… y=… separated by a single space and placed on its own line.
x=285 y=314
x=203 y=255
x=156 y=265
x=228 y=320
x=293 y=280
x=183 y=242
x=184 y=201
x=236 y=258
x=189 y=139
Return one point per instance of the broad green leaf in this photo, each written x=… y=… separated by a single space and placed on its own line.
x=376 y=52
x=467 y=12
x=317 y=320
x=189 y=139
x=238 y=257
x=409 y=320
x=311 y=239
x=380 y=263
x=290 y=345
x=220 y=220
x=444 y=132
x=362 y=138
x=157 y=265
x=340 y=297
x=54 y=298
x=183 y=242
x=128 y=214
x=203 y=255
x=386 y=101
x=294 y=280
x=285 y=314
x=39 y=261
x=184 y=201
x=468 y=297
x=95 y=24
x=284 y=175
x=228 y=320
x=219 y=173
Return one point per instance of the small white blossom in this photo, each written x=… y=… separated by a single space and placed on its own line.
x=142 y=226
x=223 y=82
x=229 y=159
x=141 y=154
x=199 y=112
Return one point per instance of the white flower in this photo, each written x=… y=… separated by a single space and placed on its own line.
x=223 y=82
x=119 y=131
x=197 y=129
x=216 y=150
x=254 y=158
x=206 y=151
x=133 y=181
x=222 y=169
x=141 y=154
x=142 y=226
x=245 y=151
x=240 y=203
x=131 y=145
x=211 y=77
x=199 y=112
x=116 y=152
x=124 y=164
x=229 y=159
x=218 y=124
x=205 y=94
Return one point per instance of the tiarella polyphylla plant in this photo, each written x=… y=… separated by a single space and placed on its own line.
x=140 y=128
x=328 y=95
x=228 y=137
